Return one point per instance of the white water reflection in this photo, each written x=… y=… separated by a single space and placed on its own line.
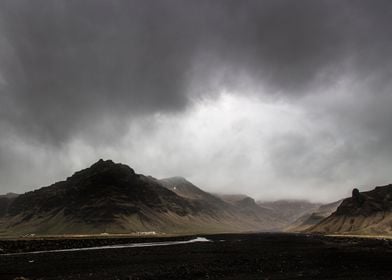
x=131 y=245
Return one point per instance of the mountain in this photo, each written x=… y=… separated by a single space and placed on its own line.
x=106 y=196
x=364 y=213
x=248 y=207
x=314 y=217
x=110 y=197
x=290 y=210
x=243 y=208
x=186 y=189
x=5 y=201
x=232 y=198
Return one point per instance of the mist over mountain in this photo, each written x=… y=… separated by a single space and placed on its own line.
x=290 y=210
x=313 y=217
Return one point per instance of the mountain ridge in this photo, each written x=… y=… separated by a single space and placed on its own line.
x=368 y=213
x=111 y=197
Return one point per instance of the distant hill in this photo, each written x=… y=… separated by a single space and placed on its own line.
x=232 y=198
x=243 y=207
x=283 y=212
x=110 y=197
x=364 y=213
x=312 y=218
x=290 y=210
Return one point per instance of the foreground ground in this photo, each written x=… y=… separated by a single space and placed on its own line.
x=234 y=256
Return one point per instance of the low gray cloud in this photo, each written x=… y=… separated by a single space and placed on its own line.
x=98 y=72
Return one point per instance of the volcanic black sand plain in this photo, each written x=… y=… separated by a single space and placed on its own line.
x=228 y=256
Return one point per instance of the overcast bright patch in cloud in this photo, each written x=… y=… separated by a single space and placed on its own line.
x=267 y=149
x=276 y=99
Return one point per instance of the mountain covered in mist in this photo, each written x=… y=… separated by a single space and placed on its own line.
x=314 y=217
x=367 y=212
x=290 y=210
x=110 y=197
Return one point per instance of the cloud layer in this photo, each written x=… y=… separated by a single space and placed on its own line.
x=307 y=85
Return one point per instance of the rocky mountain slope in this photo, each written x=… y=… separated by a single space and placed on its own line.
x=364 y=213
x=111 y=198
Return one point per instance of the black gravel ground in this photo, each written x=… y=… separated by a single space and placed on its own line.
x=230 y=256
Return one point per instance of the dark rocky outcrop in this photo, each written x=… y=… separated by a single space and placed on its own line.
x=357 y=197
x=367 y=203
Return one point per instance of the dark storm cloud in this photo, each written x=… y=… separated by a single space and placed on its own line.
x=72 y=69
x=67 y=63
x=72 y=62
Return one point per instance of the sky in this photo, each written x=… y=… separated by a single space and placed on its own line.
x=274 y=99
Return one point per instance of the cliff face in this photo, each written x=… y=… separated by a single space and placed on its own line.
x=363 y=213
x=367 y=203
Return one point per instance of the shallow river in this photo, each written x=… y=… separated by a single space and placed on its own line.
x=131 y=245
